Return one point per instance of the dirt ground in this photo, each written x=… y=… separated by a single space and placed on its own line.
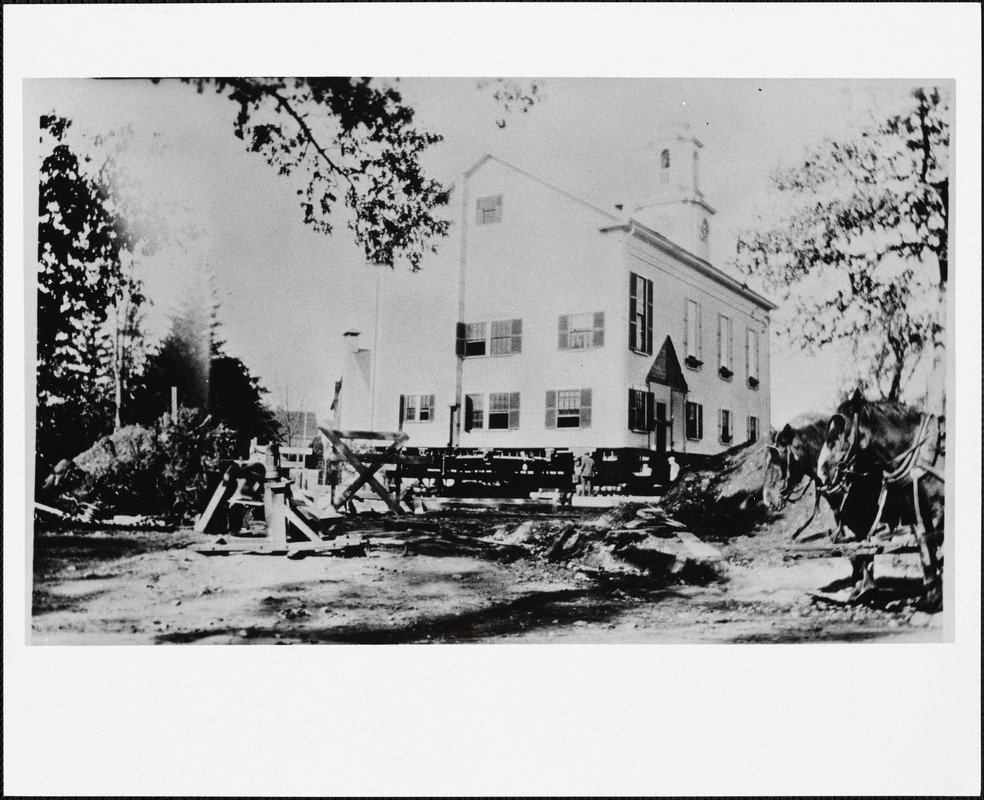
x=129 y=587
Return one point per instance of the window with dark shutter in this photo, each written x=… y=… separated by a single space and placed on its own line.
x=569 y=408
x=724 y=426
x=640 y=314
x=633 y=305
x=499 y=411
x=581 y=331
x=642 y=410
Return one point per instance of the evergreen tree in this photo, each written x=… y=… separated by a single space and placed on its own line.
x=191 y=357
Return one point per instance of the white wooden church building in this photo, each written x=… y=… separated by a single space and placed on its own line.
x=548 y=322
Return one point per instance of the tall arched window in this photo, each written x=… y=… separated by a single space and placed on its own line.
x=664 y=167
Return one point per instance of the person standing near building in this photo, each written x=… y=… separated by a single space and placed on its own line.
x=585 y=475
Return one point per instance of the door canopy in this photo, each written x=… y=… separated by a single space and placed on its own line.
x=666 y=369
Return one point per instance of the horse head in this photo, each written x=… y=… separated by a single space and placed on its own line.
x=844 y=439
x=789 y=459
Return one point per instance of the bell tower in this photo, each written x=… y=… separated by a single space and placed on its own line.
x=675 y=206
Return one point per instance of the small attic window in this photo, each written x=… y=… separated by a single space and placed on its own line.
x=488 y=210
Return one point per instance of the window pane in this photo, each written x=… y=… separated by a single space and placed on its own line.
x=581 y=330
x=499 y=401
x=569 y=399
x=475 y=339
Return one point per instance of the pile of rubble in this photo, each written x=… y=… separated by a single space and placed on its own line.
x=631 y=539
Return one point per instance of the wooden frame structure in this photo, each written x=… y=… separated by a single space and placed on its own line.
x=367 y=469
x=287 y=531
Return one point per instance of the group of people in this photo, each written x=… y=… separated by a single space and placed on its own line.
x=583 y=478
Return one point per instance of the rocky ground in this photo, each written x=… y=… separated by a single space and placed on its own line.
x=571 y=576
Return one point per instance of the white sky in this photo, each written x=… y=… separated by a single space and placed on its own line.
x=489 y=720
x=288 y=293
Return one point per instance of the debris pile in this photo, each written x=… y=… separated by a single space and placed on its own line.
x=161 y=471
x=631 y=539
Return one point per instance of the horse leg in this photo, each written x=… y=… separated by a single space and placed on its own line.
x=862 y=573
x=922 y=521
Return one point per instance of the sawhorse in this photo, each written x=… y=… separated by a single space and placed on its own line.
x=367 y=470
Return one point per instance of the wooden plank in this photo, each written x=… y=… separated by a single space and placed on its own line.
x=851 y=548
x=301 y=525
x=374 y=435
x=201 y=525
x=296 y=451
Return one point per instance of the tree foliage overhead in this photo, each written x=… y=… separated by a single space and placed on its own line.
x=349 y=140
x=856 y=248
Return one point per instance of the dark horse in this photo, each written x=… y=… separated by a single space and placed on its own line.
x=882 y=463
x=791 y=463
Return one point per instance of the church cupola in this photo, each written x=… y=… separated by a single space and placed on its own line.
x=675 y=206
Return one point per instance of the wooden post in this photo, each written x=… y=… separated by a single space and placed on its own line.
x=174 y=403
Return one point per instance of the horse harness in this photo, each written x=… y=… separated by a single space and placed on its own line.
x=908 y=468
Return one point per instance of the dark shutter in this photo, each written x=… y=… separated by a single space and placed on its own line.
x=403 y=403
x=514 y=411
x=633 y=279
x=650 y=411
x=459 y=339
x=599 y=329
x=700 y=421
x=632 y=409
x=649 y=318
x=469 y=405
x=585 y=408
x=562 y=329
x=517 y=336
x=551 y=420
